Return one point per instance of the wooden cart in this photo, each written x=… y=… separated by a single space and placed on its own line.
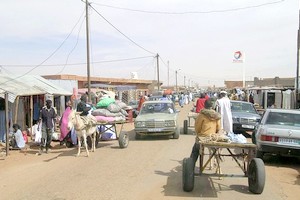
x=122 y=136
x=252 y=167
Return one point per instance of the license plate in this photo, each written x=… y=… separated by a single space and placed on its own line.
x=154 y=129
x=288 y=141
x=247 y=126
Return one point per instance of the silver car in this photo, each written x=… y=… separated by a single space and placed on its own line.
x=245 y=117
x=157 y=118
x=278 y=133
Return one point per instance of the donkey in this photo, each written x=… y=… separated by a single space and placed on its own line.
x=83 y=129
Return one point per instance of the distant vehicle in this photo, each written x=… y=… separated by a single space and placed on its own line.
x=158 y=98
x=278 y=133
x=245 y=117
x=134 y=104
x=157 y=118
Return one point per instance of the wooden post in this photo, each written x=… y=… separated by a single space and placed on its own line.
x=31 y=111
x=16 y=110
x=6 y=124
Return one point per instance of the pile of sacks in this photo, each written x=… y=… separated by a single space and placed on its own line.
x=109 y=110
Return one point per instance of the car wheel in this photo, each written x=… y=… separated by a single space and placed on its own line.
x=188 y=174
x=137 y=136
x=256 y=176
x=177 y=133
x=123 y=140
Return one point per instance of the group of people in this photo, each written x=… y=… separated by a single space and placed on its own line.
x=46 y=123
x=214 y=116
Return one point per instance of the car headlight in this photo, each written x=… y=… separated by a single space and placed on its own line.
x=140 y=124
x=169 y=123
x=235 y=119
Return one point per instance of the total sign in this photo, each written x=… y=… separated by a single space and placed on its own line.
x=238 y=57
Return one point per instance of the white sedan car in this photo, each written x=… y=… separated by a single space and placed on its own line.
x=278 y=133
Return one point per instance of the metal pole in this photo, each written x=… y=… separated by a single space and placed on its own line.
x=297 y=70
x=176 y=80
x=168 y=74
x=157 y=64
x=88 y=49
x=6 y=124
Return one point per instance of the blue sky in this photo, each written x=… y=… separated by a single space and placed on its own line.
x=201 y=44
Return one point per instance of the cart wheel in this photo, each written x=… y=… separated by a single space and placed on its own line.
x=97 y=139
x=256 y=176
x=69 y=144
x=185 y=127
x=188 y=174
x=177 y=133
x=89 y=142
x=123 y=140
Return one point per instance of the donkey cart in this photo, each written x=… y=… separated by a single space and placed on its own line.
x=116 y=127
x=252 y=167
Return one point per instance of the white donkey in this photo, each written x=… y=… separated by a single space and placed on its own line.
x=83 y=130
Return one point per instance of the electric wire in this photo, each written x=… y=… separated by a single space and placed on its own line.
x=121 y=32
x=72 y=64
x=48 y=56
x=72 y=48
x=189 y=12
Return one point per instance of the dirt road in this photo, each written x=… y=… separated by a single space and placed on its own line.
x=147 y=169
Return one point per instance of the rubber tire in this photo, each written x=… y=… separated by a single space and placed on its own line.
x=185 y=127
x=138 y=136
x=69 y=144
x=253 y=138
x=177 y=133
x=89 y=142
x=188 y=174
x=256 y=176
x=123 y=140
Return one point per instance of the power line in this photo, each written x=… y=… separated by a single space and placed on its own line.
x=84 y=63
x=189 y=12
x=121 y=31
x=72 y=48
x=48 y=56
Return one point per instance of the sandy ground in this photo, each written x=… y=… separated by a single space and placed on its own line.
x=148 y=169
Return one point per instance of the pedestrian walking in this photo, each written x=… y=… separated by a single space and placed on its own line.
x=48 y=117
x=223 y=107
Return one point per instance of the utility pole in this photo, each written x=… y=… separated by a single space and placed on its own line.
x=184 y=81
x=297 y=70
x=168 y=74
x=88 y=48
x=157 y=64
x=176 y=81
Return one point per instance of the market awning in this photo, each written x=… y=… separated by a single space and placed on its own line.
x=26 y=85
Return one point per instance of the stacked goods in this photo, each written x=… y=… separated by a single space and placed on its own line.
x=110 y=111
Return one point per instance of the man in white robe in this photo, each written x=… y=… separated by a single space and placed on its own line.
x=224 y=108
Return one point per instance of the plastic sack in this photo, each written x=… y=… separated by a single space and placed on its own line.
x=114 y=108
x=237 y=138
x=105 y=102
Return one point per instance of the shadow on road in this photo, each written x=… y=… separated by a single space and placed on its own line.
x=204 y=186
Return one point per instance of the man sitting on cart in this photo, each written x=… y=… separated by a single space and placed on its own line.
x=207 y=123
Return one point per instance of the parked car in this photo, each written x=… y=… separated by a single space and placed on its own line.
x=157 y=118
x=278 y=133
x=245 y=117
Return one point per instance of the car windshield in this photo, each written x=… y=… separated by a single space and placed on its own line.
x=285 y=119
x=242 y=107
x=157 y=108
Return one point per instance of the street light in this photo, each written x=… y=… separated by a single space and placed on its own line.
x=176 y=72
